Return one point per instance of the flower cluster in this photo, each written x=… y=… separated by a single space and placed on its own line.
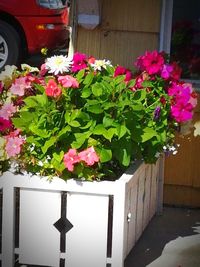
x=84 y=118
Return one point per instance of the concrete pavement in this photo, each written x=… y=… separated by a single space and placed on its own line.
x=170 y=240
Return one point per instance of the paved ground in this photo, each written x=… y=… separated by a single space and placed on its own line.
x=174 y=234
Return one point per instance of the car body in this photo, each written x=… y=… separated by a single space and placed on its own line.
x=28 y=26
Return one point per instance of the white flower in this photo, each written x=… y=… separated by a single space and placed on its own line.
x=8 y=72
x=99 y=64
x=58 y=64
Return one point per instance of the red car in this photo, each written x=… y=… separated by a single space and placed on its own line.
x=26 y=26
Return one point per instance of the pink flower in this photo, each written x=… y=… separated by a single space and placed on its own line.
x=181 y=112
x=7 y=111
x=123 y=71
x=71 y=158
x=13 y=145
x=79 y=62
x=19 y=86
x=89 y=156
x=4 y=124
x=52 y=89
x=43 y=69
x=152 y=62
x=91 y=60
x=166 y=71
x=68 y=81
x=1 y=87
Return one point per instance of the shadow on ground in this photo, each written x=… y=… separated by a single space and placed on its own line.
x=173 y=223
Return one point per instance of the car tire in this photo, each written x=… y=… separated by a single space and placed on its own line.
x=9 y=45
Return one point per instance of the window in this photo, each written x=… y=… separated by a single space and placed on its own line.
x=180 y=35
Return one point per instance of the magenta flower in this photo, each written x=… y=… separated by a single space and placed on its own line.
x=166 y=71
x=1 y=87
x=89 y=156
x=13 y=146
x=52 y=89
x=151 y=62
x=71 y=158
x=181 y=112
x=123 y=71
x=79 y=62
x=5 y=124
x=7 y=111
x=68 y=81
x=19 y=86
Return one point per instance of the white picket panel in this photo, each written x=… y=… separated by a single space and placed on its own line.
x=39 y=210
x=88 y=239
x=126 y=205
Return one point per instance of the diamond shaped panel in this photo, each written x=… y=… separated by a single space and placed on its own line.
x=63 y=225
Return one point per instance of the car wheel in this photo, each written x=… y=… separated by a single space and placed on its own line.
x=9 y=45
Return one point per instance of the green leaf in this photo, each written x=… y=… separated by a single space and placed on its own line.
x=59 y=166
x=39 y=132
x=121 y=131
x=86 y=92
x=124 y=156
x=58 y=156
x=80 y=75
x=80 y=139
x=74 y=123
x=64 y=130
x=105 y=154
x=96 y=109
x=97 y=89
x=107 y=121
x=148 y=134
x=140 y=95
x=48 y=144
x=99 y=129
x=88 y=79
x=108 y=134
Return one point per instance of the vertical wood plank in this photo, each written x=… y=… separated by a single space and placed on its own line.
x=140 y=204
x=86 y=242
x=39 y=240
x=132 y=209
x=147 y=195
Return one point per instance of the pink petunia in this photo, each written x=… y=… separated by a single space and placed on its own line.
x=120 y=70
x=79 y=62
x=52 y=89
x=13 y=145
x=89 y=156
x=166 y=71
x=19 y=86
x=68 y=81
x=7 y=111
x=71 y=158
x=5 y=124
x=151 y=62
x=182 y=113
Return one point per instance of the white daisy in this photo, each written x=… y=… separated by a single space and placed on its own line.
x=58 y=64
x=101 y=63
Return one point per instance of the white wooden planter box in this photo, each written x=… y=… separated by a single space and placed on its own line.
x=107 y=218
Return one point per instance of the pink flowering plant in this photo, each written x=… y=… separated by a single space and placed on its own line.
x=84 y=118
